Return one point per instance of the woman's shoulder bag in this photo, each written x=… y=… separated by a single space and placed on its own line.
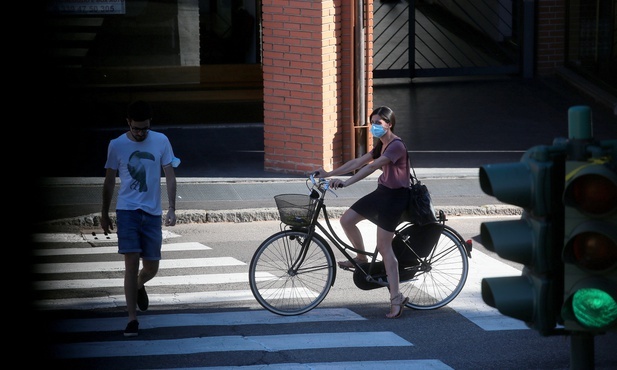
x=420 y=209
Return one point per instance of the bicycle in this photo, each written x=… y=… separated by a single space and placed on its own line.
x=292 y=271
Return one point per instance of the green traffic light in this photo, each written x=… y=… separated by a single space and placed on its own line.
x=594 y=308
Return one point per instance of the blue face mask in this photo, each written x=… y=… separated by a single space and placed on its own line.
x=377 y=130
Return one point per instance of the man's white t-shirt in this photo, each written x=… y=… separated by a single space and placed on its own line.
x=139 y=166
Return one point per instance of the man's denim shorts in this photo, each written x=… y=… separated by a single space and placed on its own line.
x=139 y=232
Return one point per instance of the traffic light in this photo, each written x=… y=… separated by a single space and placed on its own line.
x=535 y=240
x=590 y=245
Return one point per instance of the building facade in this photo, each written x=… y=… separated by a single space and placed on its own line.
x=303 y=68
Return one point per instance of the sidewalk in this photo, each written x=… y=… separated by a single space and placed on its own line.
x=451 y=129
x=76 y=201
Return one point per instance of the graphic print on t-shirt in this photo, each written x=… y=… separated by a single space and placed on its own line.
x=138 y=170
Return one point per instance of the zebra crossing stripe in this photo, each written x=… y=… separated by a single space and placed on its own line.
x=205 y=279
x=256 y=317
x=268 y=343
x=116 y=301
x=73 y=267
x=172 y=247
x=352 y=365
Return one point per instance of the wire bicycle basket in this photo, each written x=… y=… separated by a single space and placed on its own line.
x=295 y=209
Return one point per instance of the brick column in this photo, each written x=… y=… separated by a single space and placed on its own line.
x=308 y=84
x=550 y=35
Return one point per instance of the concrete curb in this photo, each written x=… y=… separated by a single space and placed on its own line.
x=271 y=214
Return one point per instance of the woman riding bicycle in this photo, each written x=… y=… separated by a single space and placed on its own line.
x=385 y=205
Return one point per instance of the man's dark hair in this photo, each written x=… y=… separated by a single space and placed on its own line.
x=139 y=111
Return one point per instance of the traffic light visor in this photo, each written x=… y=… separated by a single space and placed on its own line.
x=509 y=182
x=527 y=184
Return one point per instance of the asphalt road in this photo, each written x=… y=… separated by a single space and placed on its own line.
x=191 y=321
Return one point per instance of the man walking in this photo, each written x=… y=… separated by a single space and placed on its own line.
x=138 y=156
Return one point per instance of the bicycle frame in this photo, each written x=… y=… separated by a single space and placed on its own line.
x=318 y=192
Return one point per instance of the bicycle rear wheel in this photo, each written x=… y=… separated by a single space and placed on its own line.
x=439 y=277
x=289 y=279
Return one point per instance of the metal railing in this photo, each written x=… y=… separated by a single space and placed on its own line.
x=451 y=38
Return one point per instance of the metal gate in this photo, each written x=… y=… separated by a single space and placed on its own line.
x=452 y=38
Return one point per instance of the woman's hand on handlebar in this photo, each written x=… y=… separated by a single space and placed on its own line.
x=332 y=183
x=336 y=183
x=320 y=173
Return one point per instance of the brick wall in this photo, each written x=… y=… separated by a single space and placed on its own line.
x=309 y=84
x=550 y=35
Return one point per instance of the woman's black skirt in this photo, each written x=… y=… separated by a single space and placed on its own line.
x=383 y=207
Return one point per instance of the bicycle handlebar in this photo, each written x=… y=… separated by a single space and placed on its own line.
x=322 y=184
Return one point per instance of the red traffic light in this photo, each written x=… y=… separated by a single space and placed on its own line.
x=593 y=251
x=592 y=194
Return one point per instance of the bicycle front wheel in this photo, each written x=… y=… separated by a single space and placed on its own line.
x=440 y=277
x=288 y=277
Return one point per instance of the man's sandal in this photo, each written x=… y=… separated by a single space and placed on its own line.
x=399 y=301
x=348 y=265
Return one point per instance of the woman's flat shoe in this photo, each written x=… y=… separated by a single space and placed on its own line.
x=348 y=265
x=399 y=301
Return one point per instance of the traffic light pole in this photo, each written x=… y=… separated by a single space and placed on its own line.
x=582 y=353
